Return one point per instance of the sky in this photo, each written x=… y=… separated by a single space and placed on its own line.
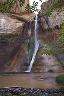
x=39 y=4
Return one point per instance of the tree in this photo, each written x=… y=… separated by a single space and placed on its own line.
x=34 y=7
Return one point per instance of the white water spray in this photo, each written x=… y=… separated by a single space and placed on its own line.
x=36 y=47
x=2 y=23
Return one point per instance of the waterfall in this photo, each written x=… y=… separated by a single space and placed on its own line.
x=36 y=45
x=2 y=23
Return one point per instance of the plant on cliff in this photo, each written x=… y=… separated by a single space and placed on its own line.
x=28 y=8
x=50 y=9
x=21 y=2
x=55 y=4
x=61 y=38
x=6 y=6
x=58 y=3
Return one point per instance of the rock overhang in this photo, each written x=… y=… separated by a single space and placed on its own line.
x=9 y=25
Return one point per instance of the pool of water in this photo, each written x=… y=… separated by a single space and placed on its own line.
x=32 y=80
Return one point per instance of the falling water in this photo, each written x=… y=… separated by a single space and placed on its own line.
x=36 y=45
x=2 y=23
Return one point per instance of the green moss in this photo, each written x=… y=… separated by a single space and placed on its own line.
x=60 y=79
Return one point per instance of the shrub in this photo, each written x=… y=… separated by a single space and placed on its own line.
x=6 y=6
x=50 y=9
x=61 y=38
x=55 y=4
x=60 y=79
x=28 y=8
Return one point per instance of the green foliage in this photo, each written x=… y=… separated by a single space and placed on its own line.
x=28 y=8
x=58 y=3
x=45 y=50
x=61 y=38
x=6 y=6
x=53 y=5
x=60 y=79
x=50 y=9
x=21 y=2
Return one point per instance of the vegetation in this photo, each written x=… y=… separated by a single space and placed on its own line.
x=58 y=3
x=21 y=2
x=55 y=4
x=28 y=8
x=44 y=50
x=61 y=38
x=33 y=7
x=58 y=47
x=60 y=79
x=6 y=6
x=49 y=11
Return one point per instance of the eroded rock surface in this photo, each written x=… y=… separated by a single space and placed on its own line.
x=8 y=24
x=13 y=34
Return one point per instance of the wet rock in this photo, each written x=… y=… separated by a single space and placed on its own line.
x=31 y=92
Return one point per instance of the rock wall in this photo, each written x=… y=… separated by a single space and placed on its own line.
x=53 y=21
x=11 y=42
